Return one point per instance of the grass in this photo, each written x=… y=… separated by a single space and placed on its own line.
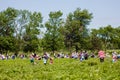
x=61 y=69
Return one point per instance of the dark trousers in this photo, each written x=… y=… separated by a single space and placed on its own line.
x=101 y=59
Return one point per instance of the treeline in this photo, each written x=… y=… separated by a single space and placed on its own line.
x=22 y=30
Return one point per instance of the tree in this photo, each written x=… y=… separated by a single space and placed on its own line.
x=7 y=41
x=23 y=25
x=117 y=37
x=7 y=18
x=53 y=38
x=108 y=37
x=95 y=40
x=21 y=21
x=76 y=28
x=32 y=31
x=7 y=44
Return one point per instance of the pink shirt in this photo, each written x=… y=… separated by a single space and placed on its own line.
x=101 y=54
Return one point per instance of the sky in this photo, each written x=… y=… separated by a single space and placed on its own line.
x=105 y=12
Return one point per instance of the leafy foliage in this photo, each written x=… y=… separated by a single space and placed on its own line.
x=106 y=36
x=53 y=39
x=7 y=44
x=61 y=69
x=6 y=19
x=22 y=30
x=76 y=28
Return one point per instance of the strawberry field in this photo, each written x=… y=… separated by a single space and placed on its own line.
x=61 y=69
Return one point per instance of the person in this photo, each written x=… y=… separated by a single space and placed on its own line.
x=86 y=55
x=114 y=57
x=101 y=55
x=92 y=55
x=82 y=56
x=22 y=56
x=3 y=57
x=51 y=60
x=31 y=59
x=45 y=59
x=13 y=56
x=7 y=56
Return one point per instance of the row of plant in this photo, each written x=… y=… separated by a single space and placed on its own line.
x=61 y=69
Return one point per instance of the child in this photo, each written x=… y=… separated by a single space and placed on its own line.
x=51 y=61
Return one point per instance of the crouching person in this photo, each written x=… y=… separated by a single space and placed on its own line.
x=101 y=55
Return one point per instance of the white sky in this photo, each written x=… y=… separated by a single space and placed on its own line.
x=105 y=12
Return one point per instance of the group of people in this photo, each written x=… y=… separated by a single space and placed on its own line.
x=13 y=56
x=45 y=58
x=102 y=55
x=83 y=55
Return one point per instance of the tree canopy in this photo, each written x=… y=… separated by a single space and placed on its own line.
x=22 y=30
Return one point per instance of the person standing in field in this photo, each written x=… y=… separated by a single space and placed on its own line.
x=114 y=57
x=86 y=55
x=101 y=55
x=45 y=58
x=32 y=59
x=82 y=56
